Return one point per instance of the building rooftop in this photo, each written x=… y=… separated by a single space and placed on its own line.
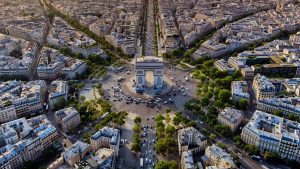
x=66 y=114
x=21 y=133
x=77 y=148
x=190 y=137
x=273 y=127
x=233 y=115
x=59 y=88
x=108 y=132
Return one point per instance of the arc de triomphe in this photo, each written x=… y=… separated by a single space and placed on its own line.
x=149 y=63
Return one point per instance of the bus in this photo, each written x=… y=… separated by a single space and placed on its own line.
x=142 y=163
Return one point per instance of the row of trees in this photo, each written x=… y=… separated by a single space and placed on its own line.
x=166 y=165
x=214 y=94
x=165 y=134
x=136 y=135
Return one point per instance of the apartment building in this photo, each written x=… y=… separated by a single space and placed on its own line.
x=68 y=119
x=262 y=87
x=73 y=68
x=17 y=57
x=103 y=159
x=107 y=137
x=285 y=105
x=218 y=158
x=247 y=73
x=77 y=152
x=190 y=139
x=62 y=35
x=18 y=99
x=50 y=65
x=272 y=133
x=223 y=66
x=25 y=140
x=239 y=90
x=187 y=161
x=59 y=90
x=231 y=117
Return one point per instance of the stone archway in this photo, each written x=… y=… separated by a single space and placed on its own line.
x=149 y=63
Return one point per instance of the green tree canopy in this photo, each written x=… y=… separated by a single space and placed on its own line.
x=137 y=119
x=243 y=104
x=224 y=95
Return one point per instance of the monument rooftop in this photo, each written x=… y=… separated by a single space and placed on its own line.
x=149 y=59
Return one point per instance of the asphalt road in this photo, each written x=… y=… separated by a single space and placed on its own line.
x=149 y=41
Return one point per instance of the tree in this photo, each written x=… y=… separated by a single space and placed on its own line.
x=219 y=104
x=278 y=113
x=136 y=129
x=238 y=140
x=137 y=119
x=159 y=117
x=205 y=101
x=173 y=165
x=222 y=145
x=224 y=95
x=61 y=103
x=161 y=165
x=292 y=117
x=243 y=104
x=212 y=136
x=192 y=124
x=224 y=130
x=271 y=156
x=168 y=110
x=251 y=149
x=166 y=165
x=213 y=110
x=176 y=120
x=82 y=98
x=135 y=147
x=161 y=147
x=168 y=118
x=170 y=130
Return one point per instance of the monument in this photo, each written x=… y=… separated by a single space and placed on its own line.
x=153 y=64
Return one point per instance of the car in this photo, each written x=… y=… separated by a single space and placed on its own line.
x=146 y=161
x=184 y=94
x=153 y=164
x=153 y=141
x=144 y=145
x=150 y=151
x=165 y=102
